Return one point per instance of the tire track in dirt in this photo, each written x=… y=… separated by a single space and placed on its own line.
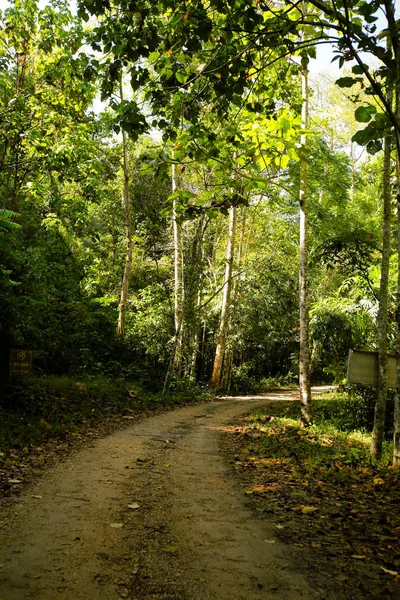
x=190 y=538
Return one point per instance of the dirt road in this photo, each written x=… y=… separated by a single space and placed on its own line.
x=150 y=512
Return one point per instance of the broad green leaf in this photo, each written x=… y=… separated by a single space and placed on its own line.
x=346 y=82
x=364 y=114
x=181 y=77
x=284 y=161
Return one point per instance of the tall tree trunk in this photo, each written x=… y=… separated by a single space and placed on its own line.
x=226 y=373
x=203 y=357
x=178 y=277
x=304 y=361
x=229 y=351
x=396 y=49
x=380 y=406
x=175 y=363
x=226 y=300
x=195 y=350
x=126 y=206
x=193 y=278
x=396 y=424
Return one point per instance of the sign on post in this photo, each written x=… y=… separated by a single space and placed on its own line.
x=20 y=363
x=363 y=368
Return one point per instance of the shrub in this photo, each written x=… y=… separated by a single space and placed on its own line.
x=352 y=408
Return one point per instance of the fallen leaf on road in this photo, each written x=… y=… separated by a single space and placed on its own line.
x=389 y=572
x=306 y=510
x=378 y=481
x=263 y=489
x=170 y=549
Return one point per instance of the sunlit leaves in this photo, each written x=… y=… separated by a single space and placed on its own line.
x=273 y=138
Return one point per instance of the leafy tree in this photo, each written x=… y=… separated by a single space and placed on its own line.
x=49 y=169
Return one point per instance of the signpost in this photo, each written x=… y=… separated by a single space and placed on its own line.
x=20 y=363
x=363 y=368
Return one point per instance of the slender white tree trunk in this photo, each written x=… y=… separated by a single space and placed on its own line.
x=193 y=362
x=178 y=277
x=227 y=368
x=304 y=361
x=226 y=300
x=380 y=406
x=175 y=363
x=127 y=209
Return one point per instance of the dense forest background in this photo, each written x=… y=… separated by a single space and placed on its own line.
x=150 y=191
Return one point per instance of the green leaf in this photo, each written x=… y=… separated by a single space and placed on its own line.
x=260 y=185
x=362 y=137
x=357 y=70
x=153 y=56
x=374 y=146
x=82 y=14
x=284 y=161
x=181 y=77
x=167 y=211
x=364 y=114
x=346 y=82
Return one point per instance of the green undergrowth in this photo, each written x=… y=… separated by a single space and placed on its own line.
x=245 y=383
x=338 y=442
x=323 y=493
x=37 y=409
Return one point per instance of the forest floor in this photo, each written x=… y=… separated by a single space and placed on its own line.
x=174 y=508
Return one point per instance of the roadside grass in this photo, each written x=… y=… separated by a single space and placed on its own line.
x=37 y=409
x=323 y=493
x=322 y=446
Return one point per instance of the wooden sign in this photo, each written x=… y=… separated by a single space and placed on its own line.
x=20 y=363
x=363 y=368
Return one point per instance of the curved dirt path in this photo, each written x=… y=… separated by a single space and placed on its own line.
x=148 y=513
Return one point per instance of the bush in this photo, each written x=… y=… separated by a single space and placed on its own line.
x=36 y=409
x=243 y=381
x=352 y=408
